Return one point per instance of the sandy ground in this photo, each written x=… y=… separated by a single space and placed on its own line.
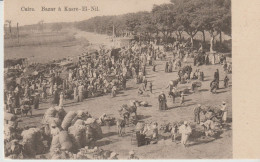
x=202 y=149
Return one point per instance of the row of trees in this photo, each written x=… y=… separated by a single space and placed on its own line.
x=189 y=16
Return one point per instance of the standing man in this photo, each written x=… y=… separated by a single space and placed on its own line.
x=197 y=114
x=56 y=98
x=182 y=98
x=162 y=101
x=224 y=112
x=166 y=67
x=80 y=90
x=216 y=77
x=151 y=87
x=124 y=82
x=185 y=131
x=226 y=79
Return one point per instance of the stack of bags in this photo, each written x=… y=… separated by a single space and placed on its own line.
x=32 y=143
x=93 y=129
x=13 y=149
x=10 y=126
x=95 y=153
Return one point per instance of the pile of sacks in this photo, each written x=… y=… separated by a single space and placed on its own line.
x=32 y=142
x=95 y=153
x=10 y=126
x=13 y=149
x=70 y=131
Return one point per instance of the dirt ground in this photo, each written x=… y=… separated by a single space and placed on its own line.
x=220 y=148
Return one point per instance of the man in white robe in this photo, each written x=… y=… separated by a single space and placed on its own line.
x=185 y=131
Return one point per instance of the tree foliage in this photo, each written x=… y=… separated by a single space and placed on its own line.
x=189 y=16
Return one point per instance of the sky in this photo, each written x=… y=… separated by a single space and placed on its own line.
x=12 y=9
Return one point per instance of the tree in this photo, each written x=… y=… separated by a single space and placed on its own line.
x=215 y=17
x=187 y=16
x=164 y=19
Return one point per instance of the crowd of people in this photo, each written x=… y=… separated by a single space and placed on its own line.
x=107 y=72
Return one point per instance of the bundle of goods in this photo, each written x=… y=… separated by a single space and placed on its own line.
x=32 y=143
x=106 y=120
x=9 y=133
x=133 y=120
x=95 y=153
x=94 y=128
x=196 y=85
x=72 y=117
x=10 y=119
x=144 y=103
x=53 y=116
x=166 y=127
x=184 y=89
x=61 y=154
x=78 y=136
x=13 y=149
x=10 y=126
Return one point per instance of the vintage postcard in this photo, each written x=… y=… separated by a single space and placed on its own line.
x=118 y=79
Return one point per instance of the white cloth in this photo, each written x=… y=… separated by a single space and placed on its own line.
x=224 y=109
x=185 y=133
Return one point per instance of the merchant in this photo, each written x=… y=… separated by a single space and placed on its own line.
x=196 y=111
x=224 y=112
x=56 y=98
x=216 y=78
x=162 y=101
x=185 y=131
x=226 y=79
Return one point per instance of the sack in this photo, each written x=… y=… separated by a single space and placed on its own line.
x=53 y=121
x=51 y=112
x=144 y=103
x=55 y=144
x=65 y=141
x=139 y=126
x=90 y=121
x=78 y=134
x=61 y=113
x=67 y=120
x=79 y=122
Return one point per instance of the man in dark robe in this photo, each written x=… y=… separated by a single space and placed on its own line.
x=56 y=98
x=196 y=111
x=36 y=101
x=162 y=101
x=166 y=67
x=216 y=77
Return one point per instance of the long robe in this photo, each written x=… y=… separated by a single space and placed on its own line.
x=162 y=102
x=185 y=133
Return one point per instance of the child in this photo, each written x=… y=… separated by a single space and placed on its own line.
x=174 y=132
